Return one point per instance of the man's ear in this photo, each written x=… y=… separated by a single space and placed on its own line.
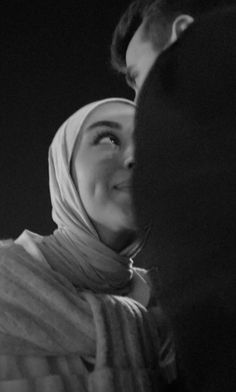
x=180 y=24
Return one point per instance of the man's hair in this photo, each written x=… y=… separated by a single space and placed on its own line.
x=155 y=13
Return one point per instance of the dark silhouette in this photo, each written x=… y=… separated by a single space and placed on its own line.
x=185 y=184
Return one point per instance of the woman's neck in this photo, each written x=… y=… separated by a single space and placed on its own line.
x=116 y=240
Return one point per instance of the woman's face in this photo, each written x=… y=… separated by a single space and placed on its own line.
x=102 y=167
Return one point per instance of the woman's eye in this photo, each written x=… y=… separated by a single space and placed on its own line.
x=107 y=138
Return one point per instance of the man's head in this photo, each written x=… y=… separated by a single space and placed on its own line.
x=147 y=28
x=184 y=183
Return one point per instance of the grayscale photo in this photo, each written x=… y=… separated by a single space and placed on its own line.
x=118 y=196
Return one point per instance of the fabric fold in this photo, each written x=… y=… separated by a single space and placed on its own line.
x=43 y=318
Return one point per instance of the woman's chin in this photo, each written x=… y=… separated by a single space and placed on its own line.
x=128 y=222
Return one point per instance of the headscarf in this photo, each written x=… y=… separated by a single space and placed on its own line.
x=50 y=321
x=75 y=249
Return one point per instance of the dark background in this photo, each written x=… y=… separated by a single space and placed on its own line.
x=55 y=57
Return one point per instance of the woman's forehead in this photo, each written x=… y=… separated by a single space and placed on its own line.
x=118 y=111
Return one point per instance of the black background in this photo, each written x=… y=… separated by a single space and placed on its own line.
x=55 y=57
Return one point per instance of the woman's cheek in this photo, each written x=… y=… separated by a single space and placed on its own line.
x=109 y=164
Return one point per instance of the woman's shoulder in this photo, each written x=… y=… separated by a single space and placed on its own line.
x=6 y=243
x=9 y=249
x=7 y=246
x=14 y=249
x=11 y=256
x=25 y=245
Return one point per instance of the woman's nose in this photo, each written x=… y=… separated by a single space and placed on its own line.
x=129 y=163
x=129 y=160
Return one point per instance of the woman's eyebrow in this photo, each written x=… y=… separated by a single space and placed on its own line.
x=105 y=123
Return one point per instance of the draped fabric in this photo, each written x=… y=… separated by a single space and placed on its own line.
x=75 y=248
x=49 y=331
x=59 y=328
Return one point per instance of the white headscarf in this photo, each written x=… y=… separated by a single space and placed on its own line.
x=75 y=249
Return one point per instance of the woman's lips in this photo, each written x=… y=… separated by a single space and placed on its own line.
x=124 y=185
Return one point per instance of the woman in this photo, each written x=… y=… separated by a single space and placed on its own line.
x=73 y=309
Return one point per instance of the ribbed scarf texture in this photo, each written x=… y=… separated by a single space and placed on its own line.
x=61 y=296
x=44 y=316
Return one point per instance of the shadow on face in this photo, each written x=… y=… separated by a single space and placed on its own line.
x=102 y=168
